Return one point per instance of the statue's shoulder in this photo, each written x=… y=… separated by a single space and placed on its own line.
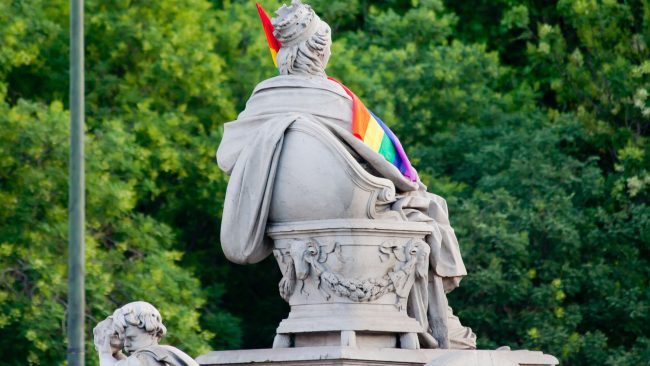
x=298 y=81
x=164 y=355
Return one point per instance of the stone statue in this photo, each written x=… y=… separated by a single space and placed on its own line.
x=363 y=249
x=136 y=328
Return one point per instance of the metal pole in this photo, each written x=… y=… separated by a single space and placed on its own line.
x=76 y=203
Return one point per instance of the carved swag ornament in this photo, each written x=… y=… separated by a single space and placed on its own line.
x=300 y=258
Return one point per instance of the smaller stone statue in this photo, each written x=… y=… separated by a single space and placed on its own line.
x=136 y=328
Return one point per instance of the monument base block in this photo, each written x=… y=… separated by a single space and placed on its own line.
x=351 y=356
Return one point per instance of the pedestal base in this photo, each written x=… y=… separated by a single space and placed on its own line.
x=349 y=356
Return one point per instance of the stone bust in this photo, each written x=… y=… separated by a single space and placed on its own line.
x=136 y=328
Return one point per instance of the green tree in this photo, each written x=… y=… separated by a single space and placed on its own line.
x=537 y=136
x=129 y=255
x=531 y=118
x=154 y=105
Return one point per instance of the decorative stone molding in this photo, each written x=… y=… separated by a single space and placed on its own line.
x=353 y=356
x=300 y=258
x=361 y=270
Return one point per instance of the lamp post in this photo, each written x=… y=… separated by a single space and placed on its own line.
x=76 y=204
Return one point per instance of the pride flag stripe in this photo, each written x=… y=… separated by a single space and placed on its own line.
x=359 y=129
x=387 y=147
x=374 y=134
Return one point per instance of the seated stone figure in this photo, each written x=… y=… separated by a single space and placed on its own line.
x=137 y=328
x=293 y=159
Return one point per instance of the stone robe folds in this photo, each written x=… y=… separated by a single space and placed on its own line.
x=249 y=153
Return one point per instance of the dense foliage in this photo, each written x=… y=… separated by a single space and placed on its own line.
x=531 y=118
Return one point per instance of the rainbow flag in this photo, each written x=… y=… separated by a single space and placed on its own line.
x=274 y=44
x=365 y=125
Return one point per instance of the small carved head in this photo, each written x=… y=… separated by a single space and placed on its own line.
x=303 y=254
x=139 y=325
x=420 y=250
x=305 y=39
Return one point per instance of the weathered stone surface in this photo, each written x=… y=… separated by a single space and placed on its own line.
x=136 y=328
x=345 y=356
x=347 y=278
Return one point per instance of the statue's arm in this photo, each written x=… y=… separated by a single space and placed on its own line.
x=107 y=343
x=108 y=357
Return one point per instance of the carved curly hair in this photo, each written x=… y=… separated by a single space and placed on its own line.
x=140 y=314
x=305 y=39
x=307 y=57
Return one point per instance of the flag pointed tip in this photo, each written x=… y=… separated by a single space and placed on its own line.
x=273 y=42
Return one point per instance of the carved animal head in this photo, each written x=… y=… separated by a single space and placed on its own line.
x=304 y=253
x=414 y=253
x=419 y=250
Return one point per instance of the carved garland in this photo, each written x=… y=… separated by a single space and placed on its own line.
x=301 y=257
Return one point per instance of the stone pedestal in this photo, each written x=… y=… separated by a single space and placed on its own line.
x=347 y=282
x=348 y=356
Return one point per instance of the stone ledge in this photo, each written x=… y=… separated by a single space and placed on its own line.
x=349 y=356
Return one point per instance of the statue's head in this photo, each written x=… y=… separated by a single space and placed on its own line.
x=139 y=325
x=305 y=40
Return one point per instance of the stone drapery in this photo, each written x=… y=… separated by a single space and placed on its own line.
x=249 y=153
